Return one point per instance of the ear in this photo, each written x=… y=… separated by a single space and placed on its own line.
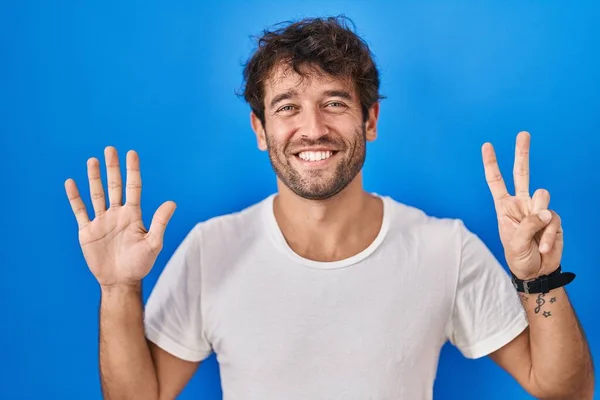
x=371 y=124
x=258 y=129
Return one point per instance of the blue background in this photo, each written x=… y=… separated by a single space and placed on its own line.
x=159 y=77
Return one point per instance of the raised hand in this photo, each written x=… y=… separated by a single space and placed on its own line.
x=115 y=244
x=531 y=234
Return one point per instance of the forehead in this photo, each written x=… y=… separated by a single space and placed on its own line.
x=312 y=80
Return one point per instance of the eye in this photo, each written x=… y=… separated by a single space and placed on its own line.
x=286 y=108
x=336 y=106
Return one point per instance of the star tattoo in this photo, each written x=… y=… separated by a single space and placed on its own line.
x=547 y=314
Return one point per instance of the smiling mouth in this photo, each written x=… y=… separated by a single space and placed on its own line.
x=313 y=156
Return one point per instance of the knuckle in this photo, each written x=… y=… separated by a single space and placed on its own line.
x=533 y=222
x=522 y=152
x=114 y=185
x=521 y=171
x=549 y=236
x=495 y=178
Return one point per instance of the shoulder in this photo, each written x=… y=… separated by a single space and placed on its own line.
x=443 y=235
x=231 y=228
x=411 y=220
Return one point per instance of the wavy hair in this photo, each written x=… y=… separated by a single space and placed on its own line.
x=325 y=45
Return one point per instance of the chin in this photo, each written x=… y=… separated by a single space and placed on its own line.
x=316 y=196
x=318 y=188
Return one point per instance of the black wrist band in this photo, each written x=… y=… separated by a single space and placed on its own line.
x=544 y=283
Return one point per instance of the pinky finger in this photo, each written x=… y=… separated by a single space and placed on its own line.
x=76 y=204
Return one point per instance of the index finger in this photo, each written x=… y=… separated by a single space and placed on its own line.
x=492 y=172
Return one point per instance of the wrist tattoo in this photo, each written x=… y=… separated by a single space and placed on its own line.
x=540 y=302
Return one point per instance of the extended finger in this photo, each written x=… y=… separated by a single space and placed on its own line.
x=492 y=172
x=159 y=224
x=96 y=189
x=550 y=234
x=528 y=228
x=77 y=204
x=113 y=174
x=521 y=166
x=133 y=188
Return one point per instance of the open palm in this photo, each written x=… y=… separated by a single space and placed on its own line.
x=115 y=244
x=531 y=234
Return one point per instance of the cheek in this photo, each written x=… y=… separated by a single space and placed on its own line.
x=278 y=134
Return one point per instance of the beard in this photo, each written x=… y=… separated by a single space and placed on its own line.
x=319 y=184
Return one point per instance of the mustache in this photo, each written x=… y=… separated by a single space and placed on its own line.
x=325 y=141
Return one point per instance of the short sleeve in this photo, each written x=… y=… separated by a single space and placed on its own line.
x=487 y=312
x=173 y=317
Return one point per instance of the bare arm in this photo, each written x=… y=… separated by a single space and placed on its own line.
x=560 y=356
x=120 y=252
x=130 y=366
x=551 y=359
x=126 y=367
x=172 y=373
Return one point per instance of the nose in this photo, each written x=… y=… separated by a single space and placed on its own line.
x=313 y=124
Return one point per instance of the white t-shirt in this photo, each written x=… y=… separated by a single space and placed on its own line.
x=367 y=327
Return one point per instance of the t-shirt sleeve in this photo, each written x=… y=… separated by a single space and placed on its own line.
x=487 y=311
x=173 y=312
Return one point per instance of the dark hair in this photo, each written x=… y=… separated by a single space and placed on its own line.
x=326 y=43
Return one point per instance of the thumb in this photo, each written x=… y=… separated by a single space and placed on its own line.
x=161 y=218
x=529 y=227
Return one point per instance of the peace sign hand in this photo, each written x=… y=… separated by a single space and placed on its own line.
x=531 y=234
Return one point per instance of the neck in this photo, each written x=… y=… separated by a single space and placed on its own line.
x=331 y=229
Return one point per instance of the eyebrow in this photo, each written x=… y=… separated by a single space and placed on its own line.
x=339 y=93
x=283 y=96
x=292 y=93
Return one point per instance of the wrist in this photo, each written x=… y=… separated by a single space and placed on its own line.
x=533 y=275
x=121 y=288
x=543 y=283
x=122 y=303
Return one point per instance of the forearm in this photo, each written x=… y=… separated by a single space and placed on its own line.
x=126 y=367
x=560 y=357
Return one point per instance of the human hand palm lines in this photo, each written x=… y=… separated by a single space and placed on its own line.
x=115 y=244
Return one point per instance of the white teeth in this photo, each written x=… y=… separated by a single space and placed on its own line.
x=315 y=155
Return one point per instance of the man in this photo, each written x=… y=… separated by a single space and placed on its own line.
x=323 y=290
